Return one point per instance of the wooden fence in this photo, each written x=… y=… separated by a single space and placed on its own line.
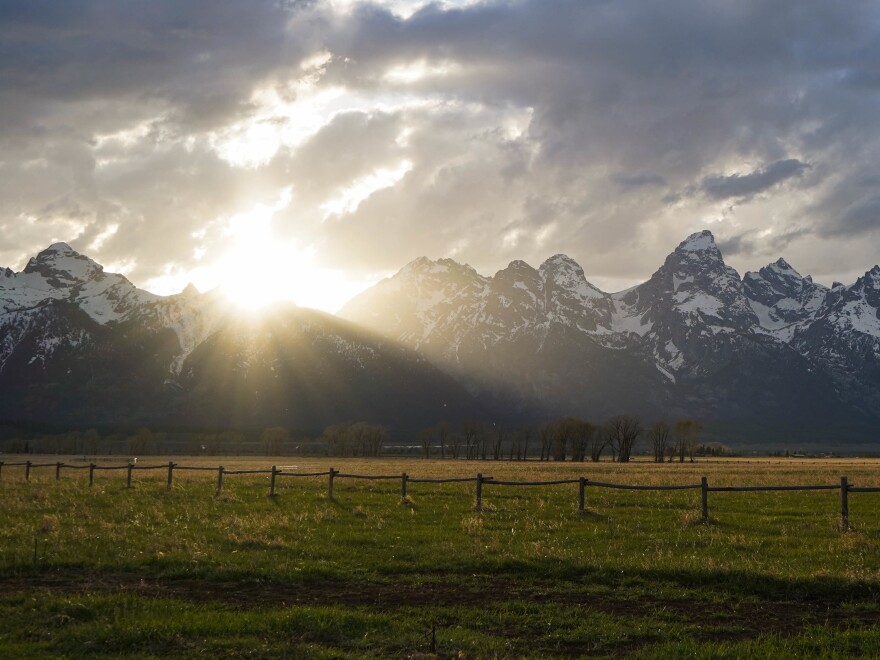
x=479 y=480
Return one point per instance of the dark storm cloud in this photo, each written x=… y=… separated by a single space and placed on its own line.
x=593 y=128
x=745 y=185
x=201 y=56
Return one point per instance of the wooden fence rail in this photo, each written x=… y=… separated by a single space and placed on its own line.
x=480 y=480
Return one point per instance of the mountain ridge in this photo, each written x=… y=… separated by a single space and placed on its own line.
x=770 y=350
x=709 y=334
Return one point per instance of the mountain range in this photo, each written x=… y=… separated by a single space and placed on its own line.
x=770 y=358
x=81 y=347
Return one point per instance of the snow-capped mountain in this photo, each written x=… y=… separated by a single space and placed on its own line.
x=61 y=276
x=842 y=337
x=694 y=339
x=84 y=347
x=781 y=297
x=770 y=356
x=61 y=273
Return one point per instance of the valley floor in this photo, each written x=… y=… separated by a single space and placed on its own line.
x=147 y=572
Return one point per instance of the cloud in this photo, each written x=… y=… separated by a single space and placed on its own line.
x=746 y=185
x=586 y=128
x=638 y=180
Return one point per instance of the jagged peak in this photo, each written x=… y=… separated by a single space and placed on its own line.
x=836 y=284
x=872 y=275
x=190 y=291
x=61 y=260
x=782 y=264
x=424 y=265
x=700 y=241
x=60 y=247
x=560 y=260
x=519 y=264
x=782 y=267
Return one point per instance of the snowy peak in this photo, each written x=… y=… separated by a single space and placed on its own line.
x=61 y=273
x=565 y=273
x=571 y=299
x=515 y=300
x=518 y=275
x=868 y=287
x=701 y=241
x=780 y=296
x=424 y=267
x=61 y=265
x=692 y=293
x=698 y=252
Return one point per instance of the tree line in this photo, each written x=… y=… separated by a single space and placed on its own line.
x=568 y=438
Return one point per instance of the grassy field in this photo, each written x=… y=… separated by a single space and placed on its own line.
x=145 y=572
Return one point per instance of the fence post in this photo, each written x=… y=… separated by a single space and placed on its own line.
x=1 y=468
x=91 y=473
x=58 y=470
x=27 y=471
x=220 y=480
x=582 y=486
x=272 y=482
x=704 y=489
x=170 y=475
x=478 y=505
x=844 y=504
x=128 y=476
x=403 y=479
x=330 y=484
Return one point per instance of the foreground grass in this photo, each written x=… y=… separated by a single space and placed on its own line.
x=147 y=572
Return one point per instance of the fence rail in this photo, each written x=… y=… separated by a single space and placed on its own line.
x=480 y=480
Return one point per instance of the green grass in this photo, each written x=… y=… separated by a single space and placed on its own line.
x=146 y=572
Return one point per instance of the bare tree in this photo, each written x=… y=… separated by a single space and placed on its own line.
x=470 y=431
x=526 y=436
x=337 y=439
x=377 y=435
x=484 y=438
x=456 y=440
x=686 y=432
x=443 y=432
x=623 y=432
x=566 y=435
x=497 y=441
x=273 y=440
x=598 y=442
x=660 y=437
x=426 y=437
x=546 y=440
x=583 y=441
x=560 y=439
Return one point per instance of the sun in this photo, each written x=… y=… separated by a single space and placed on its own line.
x=258 y=269
x=245 y=260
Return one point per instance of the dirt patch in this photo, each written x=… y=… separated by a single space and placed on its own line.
x=714 y=622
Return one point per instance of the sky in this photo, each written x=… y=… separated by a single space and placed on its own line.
x=306 y=149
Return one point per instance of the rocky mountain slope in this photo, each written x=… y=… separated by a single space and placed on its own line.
x=767 y=354
x=79 y=346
